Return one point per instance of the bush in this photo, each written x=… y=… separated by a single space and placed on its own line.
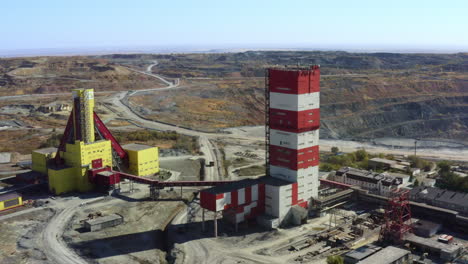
x=335 y=150
x=417 y=162
x=335 y=260
x=52 y=141
x=362 y=155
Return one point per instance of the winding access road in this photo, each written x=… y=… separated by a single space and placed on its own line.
x=54 y=247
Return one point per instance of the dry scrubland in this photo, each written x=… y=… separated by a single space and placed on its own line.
x=206 y=104
x=61 y=74
x=362 y=95
x=139 y=239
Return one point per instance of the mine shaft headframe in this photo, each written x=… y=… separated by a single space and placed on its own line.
x=397 y=217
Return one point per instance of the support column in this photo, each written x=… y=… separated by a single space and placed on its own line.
x=203 y=220
x=180 y=192
x=216 y=224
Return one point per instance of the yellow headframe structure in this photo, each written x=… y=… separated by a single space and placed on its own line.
x=83 y=109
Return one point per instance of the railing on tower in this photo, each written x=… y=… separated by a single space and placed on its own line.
x=267 y=123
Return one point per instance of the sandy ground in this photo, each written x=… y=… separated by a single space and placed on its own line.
x=251 y=244
x=19 y=237
x=140 y=239
x=189 y=169
x=432 y=149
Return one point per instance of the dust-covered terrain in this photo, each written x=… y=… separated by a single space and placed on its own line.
x=363 y=95
x=46 y=75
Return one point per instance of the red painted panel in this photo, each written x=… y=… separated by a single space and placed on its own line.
x=219 y=196
x=248 y=194
x=234 y=198
x=334 y=184
x=294 y=82
x=294 y=159
x=116 y=178
x=261 y=194
x=303 y=204
x=292 y=121
x=294 y=194
x=97 y=163
x=93 y=172
x=208 y=201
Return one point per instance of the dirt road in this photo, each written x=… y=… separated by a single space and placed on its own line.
x=54 y=247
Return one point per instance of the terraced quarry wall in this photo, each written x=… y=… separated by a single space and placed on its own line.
x=362 y=95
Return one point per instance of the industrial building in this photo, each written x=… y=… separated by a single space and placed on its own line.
x=87 y=148
x=425 y=228
x=142 y=160
x=10 y=200
x=372 y=254
x=102 y=222
x=89 y=157
x=389 y=255
x=354 y=256
x=379 y=163
x=457 y=201
x=435 y=248
x=292 y=156
x=379 y=183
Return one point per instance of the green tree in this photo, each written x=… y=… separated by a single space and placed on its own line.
x=417 y=162
x=444 y=167
x=362 y=155
x=326 y=167
x=335 y=150
x=335 y=260
x=416 y=183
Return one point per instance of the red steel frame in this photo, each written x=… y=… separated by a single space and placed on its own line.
x=168 y=183
x=397 y=218
x=335 y=184
x=108 y=135
x=63 y=141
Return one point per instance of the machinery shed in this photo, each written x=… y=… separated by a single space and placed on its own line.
x=426 y=228
x=10 y=200
x=433 y=247
x=388 y=255
x=360 y=253
x=103 y=222
x=239 y=200
x=143 y=160
x=41 y=157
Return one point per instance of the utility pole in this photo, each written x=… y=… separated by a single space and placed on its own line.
x=415 y=143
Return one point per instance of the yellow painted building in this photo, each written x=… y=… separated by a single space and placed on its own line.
x=40 y=158
x=79 y=158
x=82 y=153
x=10 y=200
x=143 y=160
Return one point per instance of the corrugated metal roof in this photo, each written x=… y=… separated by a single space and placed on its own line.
x=136 y=147
x=386 y=255
x=103 y=219
x=9 y=196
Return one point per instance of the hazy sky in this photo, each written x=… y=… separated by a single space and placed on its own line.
x=35 y=24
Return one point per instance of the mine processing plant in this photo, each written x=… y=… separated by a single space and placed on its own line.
x=89 y=156
x=292 y=155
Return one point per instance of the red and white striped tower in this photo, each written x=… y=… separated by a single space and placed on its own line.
x=293 y=121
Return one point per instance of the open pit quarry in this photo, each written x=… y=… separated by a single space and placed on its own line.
x=217 y=150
